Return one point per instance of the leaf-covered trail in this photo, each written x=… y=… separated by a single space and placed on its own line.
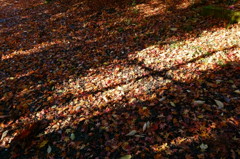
x=139 y=81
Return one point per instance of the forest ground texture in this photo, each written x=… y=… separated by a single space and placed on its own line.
x=134 y=81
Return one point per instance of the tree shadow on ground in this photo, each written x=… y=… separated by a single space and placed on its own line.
x=154 y=127
x=59 y=41
x=30 y=81
x=182 y=126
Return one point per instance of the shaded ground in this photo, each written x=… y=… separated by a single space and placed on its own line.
x=144 y=80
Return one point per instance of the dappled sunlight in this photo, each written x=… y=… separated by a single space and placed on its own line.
x=178 y=57
x=92 y=94
x=108 y=87
x=20 y=75
x=152 y=8
x=151 y=79
x=161 y=7
x=36 y=49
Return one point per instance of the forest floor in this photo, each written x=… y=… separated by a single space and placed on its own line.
x=137 y=81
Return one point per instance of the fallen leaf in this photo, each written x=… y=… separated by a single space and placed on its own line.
x=72 y=137
x=4 y=134
x=203 y=147
x=131 y=133
x=146 y=125
x=237 y=91
x=218 y=81
x=68 y=130
x=173 y=29
x=172 y=104
x=198 y=102
x=43 y=143
x=126 y=157
x=49 y=149
x=219 y=103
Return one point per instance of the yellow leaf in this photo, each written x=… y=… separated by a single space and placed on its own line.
x=163 y=147
x=126 y=157
x=43 y=143
x=66 y=139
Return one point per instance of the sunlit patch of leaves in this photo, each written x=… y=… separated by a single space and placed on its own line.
x=109 y=84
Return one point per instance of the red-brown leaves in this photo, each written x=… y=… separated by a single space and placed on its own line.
x=24 y=139
x=136 y=82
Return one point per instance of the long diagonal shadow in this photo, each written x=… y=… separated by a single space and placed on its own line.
x=154 y=73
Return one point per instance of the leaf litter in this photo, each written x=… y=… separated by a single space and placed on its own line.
x=116 y=84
